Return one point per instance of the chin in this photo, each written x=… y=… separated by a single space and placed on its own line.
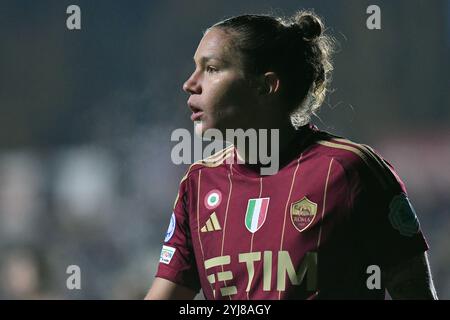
x=201 y=126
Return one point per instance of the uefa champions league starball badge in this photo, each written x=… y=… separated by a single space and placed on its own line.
x=171 y=229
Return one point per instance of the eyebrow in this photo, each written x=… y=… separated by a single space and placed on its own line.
x=205 y=59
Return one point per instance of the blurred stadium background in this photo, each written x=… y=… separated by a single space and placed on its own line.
x=86 y=116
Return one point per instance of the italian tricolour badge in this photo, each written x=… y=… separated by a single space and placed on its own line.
x=256 y=213
x=303 y=213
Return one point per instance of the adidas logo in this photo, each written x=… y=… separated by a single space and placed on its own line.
x=212 y=224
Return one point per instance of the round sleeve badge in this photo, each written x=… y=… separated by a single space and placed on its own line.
x=402 y=216
x=171 y=229
x=213 y=199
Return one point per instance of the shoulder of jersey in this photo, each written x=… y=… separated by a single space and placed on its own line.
x=356 y=156
x=212 y=161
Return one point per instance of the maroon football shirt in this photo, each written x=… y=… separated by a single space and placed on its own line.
x=313 y=230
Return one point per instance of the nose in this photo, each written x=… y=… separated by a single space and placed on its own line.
x=192 y=85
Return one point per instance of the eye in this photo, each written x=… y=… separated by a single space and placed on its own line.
x=211 y=69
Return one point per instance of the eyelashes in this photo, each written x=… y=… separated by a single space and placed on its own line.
x=211 y=69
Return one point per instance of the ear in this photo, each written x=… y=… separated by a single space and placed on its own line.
x=271 y=82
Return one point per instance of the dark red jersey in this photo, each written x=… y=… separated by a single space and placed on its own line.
x=315 y=229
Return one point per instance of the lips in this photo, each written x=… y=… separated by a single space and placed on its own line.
x=196 y=116
x=196 y=112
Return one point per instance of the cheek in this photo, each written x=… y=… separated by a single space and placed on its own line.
x=230 y=96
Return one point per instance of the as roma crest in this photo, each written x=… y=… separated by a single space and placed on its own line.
x=303 y=213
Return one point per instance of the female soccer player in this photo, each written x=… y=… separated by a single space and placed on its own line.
x=333 y=222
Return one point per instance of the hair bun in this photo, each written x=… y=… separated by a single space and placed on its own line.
x=308 y=25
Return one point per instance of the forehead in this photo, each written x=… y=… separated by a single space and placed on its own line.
x=216 y=44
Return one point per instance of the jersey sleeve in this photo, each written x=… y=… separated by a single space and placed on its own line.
x=387 y=227
x=177 y=260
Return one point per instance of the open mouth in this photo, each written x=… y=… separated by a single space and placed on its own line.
x=196 y=116
x=196 y=112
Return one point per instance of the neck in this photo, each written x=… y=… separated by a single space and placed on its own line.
x=275 y=146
